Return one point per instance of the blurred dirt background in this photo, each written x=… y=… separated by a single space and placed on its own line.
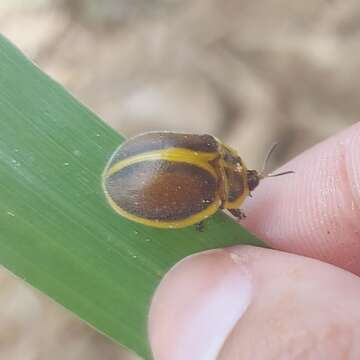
x=250 y=72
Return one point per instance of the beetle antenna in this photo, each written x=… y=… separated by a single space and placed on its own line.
x=282 y=173
x=263 y=173
x=266 y=161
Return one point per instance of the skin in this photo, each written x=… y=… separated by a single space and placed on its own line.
x=298 y=303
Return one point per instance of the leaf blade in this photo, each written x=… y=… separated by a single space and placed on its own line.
x=57 y=231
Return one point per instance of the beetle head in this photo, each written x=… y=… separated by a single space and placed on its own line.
x=253 y=179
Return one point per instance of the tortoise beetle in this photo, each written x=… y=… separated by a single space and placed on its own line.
x=174 y=180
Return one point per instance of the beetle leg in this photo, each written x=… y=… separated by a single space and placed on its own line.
x=200 y=226
x=238 y=213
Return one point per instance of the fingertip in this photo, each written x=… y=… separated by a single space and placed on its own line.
x=253 y=303
x=196 y=306
x=315 y=211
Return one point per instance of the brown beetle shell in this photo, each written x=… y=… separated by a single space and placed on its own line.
x=166 y=179
x=162 y=190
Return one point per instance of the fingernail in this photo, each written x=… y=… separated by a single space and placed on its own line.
x=197 y=305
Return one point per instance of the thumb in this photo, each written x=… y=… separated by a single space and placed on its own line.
x=253 y=303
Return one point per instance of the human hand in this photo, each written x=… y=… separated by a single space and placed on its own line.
x=251 y=303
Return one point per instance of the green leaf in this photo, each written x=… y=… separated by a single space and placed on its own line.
x=57 y=231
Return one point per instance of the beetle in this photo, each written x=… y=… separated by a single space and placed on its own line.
x=174 y=180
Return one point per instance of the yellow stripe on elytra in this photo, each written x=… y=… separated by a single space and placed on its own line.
x=191 y=220
x=198 y=158
x=224 y=190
